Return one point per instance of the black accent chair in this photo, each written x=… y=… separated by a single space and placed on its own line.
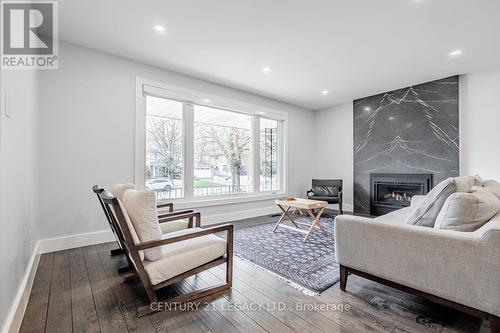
x=329 y=190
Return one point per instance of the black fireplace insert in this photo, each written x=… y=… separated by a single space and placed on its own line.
x=392 y=191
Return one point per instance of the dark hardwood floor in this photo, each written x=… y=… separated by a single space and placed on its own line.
x=80 y=290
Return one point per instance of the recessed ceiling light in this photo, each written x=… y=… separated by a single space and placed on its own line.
x=266 y=70
x=324 y=92
x=391 y=118
x=207 y=100
x=455 y=53
x=367 y=108
x=160 y=28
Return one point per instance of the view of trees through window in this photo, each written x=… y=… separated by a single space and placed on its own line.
x=268 y=154
x=222 y=150
x=222 y=142
x=164 y=147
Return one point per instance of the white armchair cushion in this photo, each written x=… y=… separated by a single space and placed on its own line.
x=183 y=256
x=131 y=228
x=468 y=211
x=119 y=189
x=176 y=225
x=141 y=208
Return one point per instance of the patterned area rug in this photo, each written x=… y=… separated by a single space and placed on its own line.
x=310 y=265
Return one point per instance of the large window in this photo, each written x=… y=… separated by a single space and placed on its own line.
x=222 y=152
x=196 y=150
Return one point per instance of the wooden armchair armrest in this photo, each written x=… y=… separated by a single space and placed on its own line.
x=191 y=216
x=180 y=212
x=166 y=204
x=226 y=227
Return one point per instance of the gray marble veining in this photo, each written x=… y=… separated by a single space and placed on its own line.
x=410 y=130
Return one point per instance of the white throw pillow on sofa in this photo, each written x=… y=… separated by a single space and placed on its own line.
x=493 y=186
x=119 y=189
x=468 y=211
x=141 y=208
x=426 y=213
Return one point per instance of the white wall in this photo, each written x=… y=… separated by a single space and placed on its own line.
x=87 y=136
x=479 y=124
x=18 y=179
x=333 y=128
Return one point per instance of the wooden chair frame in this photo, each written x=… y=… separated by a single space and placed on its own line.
x=131 y=250
x=162 y=218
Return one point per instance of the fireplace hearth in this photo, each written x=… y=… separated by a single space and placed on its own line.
x=392 y=191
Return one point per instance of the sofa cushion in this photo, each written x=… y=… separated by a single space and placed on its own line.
x=468 y=211
x=493 y=186
x=396 y=217
x=478 y=180
x=176 y=225
x=426 y=213
x=141 y=208
x=183 y=256
x=119 y=189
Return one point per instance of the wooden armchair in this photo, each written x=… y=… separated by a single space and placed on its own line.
x=200 y=248
x=178 y=220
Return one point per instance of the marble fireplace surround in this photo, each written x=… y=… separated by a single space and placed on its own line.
x=409 y=130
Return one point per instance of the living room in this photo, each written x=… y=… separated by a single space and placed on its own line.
x=282 y=166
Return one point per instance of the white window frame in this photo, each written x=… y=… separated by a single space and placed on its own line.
x=190 y=97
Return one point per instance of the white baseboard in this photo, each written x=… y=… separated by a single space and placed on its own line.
x=72 y=241
x=238 y=215
x=348 y=207
x=15 y=316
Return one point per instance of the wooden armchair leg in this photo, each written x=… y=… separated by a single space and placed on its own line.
x=148 y=309
x=229 y=262
x=115 y=252
x=494 y=324
x=124 y=269
x=343 y=277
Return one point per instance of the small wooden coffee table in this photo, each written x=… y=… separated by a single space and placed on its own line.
x=298 y=203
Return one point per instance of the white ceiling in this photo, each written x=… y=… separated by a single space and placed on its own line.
x=353 y=48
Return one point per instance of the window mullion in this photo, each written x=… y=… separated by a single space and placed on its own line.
x=282 y=172
x=188 y=117
x=256 y=154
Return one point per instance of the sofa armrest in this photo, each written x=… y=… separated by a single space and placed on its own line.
x=460 y=266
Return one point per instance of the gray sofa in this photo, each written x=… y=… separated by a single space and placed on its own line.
x=458 y=269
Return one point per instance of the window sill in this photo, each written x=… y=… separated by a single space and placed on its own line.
x=219 y=201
